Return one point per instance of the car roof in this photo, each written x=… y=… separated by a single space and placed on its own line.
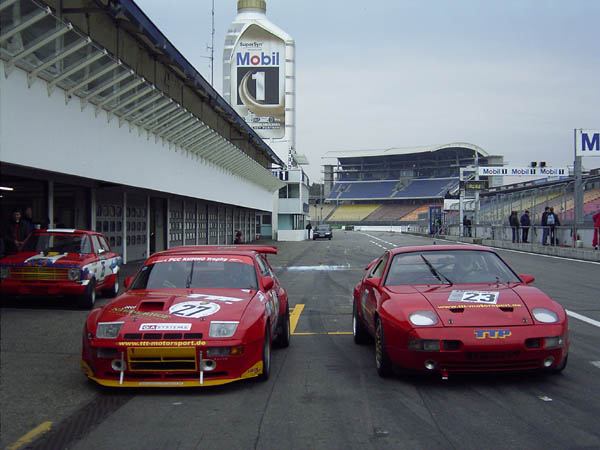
x=242 y=250
x=431 y=248
x=65 y=231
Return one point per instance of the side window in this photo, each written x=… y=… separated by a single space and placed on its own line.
x=97 y=246
x=86 y=247
x=104 y=244
x=263 y=267
x=377 y=271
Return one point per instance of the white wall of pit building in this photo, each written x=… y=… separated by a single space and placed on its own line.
x=41 y=130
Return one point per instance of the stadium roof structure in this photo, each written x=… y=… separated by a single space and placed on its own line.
x=394 y=151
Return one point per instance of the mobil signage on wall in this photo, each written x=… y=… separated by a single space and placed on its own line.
x=541 y=172
x=587 y=142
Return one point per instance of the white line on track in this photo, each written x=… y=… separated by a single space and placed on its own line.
x=583 y=318
x=595 y=363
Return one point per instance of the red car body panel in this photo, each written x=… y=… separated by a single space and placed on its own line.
x=35 y=274
x=479 y=337
x=164 y=339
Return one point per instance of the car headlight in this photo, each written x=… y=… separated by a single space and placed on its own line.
x=74 y=274
x=224 y=351
x=544 y=315
x=4 y=273
x=108 y=330
x=423 y=318
x=222 y=329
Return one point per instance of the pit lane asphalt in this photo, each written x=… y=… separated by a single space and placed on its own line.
x=323 y=392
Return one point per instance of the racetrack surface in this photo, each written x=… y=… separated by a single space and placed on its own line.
x=323 y=392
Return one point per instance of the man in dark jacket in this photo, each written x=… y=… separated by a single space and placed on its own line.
x=525 y=224
x=16 y=232
x=514 y=223
x=545 y=229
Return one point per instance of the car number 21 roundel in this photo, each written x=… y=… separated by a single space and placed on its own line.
x=194 y=309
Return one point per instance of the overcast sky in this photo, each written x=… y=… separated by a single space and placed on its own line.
x=514 y=77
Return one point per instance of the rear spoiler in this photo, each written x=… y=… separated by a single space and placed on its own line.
x=211 y=248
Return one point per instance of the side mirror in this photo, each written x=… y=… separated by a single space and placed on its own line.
x=373 y=282
x=527 y=279
x=128 y=282
x=268 y=283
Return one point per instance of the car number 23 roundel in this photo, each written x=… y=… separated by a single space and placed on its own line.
x=489 y=297
x=194 y=309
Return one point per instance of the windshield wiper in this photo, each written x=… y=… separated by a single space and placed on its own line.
x=435 y=272
x=188 y=282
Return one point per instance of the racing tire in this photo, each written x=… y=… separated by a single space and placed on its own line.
x=88 y=298
x=329 y=238
x=266 y=355
x=114 y=290
x=558 y=369
x=360 y=333
x=382 y=360
x=283 y=329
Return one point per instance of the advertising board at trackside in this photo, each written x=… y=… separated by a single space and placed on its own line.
x=541 y=172
x=587 y=143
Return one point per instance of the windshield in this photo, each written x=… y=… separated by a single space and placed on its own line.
x=448 y=267
x=59 y=243
x=323 y=227
x=221 y=273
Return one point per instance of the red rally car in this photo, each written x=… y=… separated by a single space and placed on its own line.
x=192 y=316
x=450 y=308
x=62 y=262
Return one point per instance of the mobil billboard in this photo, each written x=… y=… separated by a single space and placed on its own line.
x=587 y=143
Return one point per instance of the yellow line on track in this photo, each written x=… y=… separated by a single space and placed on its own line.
x=30 y=437
x=294 y=316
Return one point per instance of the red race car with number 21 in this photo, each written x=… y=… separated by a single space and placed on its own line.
x=450 y=309
x=192 y=316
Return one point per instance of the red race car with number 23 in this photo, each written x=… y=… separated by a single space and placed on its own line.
x=192 y=316
x=451 y=309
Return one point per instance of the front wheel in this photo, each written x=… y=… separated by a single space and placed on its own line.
x=283 y=335
x=382 y=361
x=114 y=290
x=360 y=333
x=88 y=298
x=266 y=355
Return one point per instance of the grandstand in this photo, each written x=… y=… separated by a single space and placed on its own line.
x=397 y=184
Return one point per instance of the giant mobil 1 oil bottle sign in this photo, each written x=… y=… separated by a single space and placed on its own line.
x=258 y=81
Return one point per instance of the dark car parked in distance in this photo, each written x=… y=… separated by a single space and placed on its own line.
x=323 y=231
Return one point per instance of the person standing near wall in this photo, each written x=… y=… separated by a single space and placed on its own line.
x=545 y=229
x=525 y=224
x=553 y=222
x=16 y=232
x=596 y=219
x=513 y=220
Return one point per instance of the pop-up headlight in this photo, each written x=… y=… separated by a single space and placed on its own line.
x=544 y=315
x=108 y=330
x=222 y=329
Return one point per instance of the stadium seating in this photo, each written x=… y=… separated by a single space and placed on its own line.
x=352 y=213
x=377 y=190
x=387 y=213
x=427 y=188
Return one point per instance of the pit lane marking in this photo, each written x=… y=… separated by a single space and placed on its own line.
x=583 y=318
x=295 y=316
x=31 y=436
